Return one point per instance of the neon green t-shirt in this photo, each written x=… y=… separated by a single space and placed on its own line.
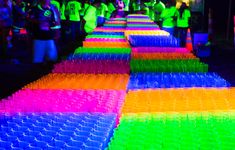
x=74 y=7
x=90 y=18
x=56 y=4
x=167 y=16
x=136 y=6
x=158 y=8
x=111 y=9
x=150 y=6
x=84 y=9
x=126 y=2
x=101 y=11
x=183 y=22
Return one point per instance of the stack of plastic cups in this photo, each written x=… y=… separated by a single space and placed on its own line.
x=54 y=131
x=140 y=22
x=110 y=53
x=112 y=29
x=72 y=109
x=77 y=106
x=168 y=110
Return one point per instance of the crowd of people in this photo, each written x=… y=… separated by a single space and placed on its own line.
x=53 y=23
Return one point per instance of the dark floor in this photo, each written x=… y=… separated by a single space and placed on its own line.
x=14 y=76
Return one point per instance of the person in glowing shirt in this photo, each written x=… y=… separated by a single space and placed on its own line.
x=111 y=9
x=85 y=5
x=158 y=8
x=168 y=16
x=150 y=6
x=90 y=17
x=43 y=19
x=126 y=5
x=120 y=10
x=183 y=17
x=136 y=6
x=56 y=4
x=101 y=13
x=73 y=8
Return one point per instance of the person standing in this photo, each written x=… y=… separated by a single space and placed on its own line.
x=85 y=5
x=126 y=6
x=101 y=13
x=150 y=6
x=111 y=9
x=183 y=17
x=43 y=19
x=120 y=9
x=73 y=8
x=136 y=6
x=90 y=17
x=158 y=8
x=168 y=17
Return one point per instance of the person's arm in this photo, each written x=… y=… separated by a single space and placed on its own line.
x=66 y=11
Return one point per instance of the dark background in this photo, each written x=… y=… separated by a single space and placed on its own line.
x=220 y=15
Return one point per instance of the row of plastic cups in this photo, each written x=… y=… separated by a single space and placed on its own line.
x=159 y=50
x=115 y=22
x=180 y=100
x=106 y=44
x=109 y=29
x=142 y=25
x=106 y=36
x=139 y=22
x=57 y=144
x=163 y=55
x=174 y=80
x=169 y=68
x=105 y=40
x=117 y=19
x=115 y=25
x=100 y=66
x=141 y=32
x=106 y=33
x=153 y=41
x=81 y=81
x=82 y=50
x=174 y=130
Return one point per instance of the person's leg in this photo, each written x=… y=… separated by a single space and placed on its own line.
x=38 y=51
x=51 y=51
x=180 y=37
x=183 y=36
x=72 y=28
x=77 y=30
